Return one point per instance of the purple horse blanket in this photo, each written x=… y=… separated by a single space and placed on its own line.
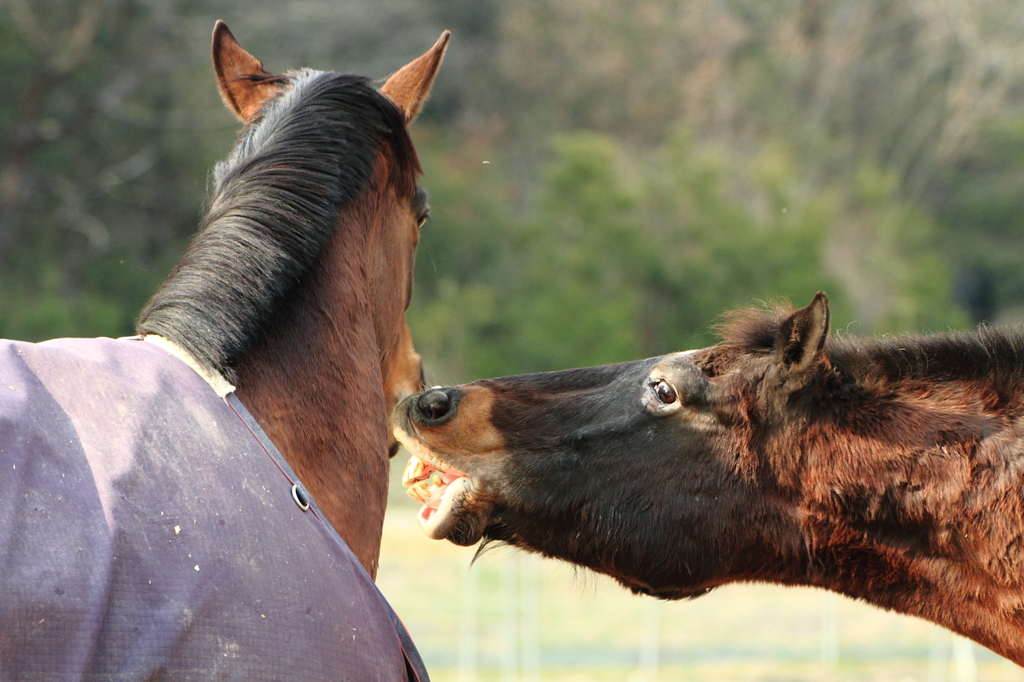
x=149 y=530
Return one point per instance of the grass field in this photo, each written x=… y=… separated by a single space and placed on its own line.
x=512 y=616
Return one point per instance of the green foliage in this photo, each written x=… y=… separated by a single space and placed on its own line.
x=578 y=296
x=622 y=257
x=981 y=212
x=102 y=163
x=460 y=262
x=623 y=253
x=902 y=276
x=733 y=253
x=605 y=180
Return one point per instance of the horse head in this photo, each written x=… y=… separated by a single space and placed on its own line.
x=884 y=469
x=245 y=87
x=294 y=288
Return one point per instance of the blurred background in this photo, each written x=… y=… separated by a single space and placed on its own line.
x=606 y=177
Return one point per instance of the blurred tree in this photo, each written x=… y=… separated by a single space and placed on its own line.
x=625 y=256
x=895 y=90
x=112 y=122
x=649 y=163
x=980 y=206
x=98 y=186
x=460 y=264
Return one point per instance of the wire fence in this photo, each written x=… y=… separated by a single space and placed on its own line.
x=515 y=617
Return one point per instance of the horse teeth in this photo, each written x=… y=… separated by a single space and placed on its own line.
x=420 y=491
x=414 y=471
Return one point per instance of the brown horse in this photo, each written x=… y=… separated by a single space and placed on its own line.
x=890 y=470
x=296 y=284
x=150 y=526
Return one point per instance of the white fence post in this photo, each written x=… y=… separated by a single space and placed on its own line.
x=650 y=639
x=509 y=621
x=529 y=596
x=469 y=609
x=964 y=663
x=829 y=629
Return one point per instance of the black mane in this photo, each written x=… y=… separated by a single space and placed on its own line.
x=274 y=205
x=966 y=355
x=986 y=353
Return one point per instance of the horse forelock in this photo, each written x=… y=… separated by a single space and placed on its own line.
x=750 y=329
x=318 y=97
x=274 y=204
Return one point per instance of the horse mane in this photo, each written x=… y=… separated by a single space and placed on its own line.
x=983 y=353
x=274 y=204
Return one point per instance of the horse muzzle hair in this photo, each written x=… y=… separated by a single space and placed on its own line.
x=452 y=509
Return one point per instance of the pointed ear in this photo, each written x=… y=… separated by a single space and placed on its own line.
x=409 y=86
x=243 y=82
x=800 y=342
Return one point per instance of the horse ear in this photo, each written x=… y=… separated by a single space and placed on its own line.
x=800 y=342
x=243 y=82
x=408 y=87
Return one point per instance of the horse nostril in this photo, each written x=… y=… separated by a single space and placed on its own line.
x=434 y=406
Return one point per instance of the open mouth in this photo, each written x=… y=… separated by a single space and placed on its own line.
x=442 y=492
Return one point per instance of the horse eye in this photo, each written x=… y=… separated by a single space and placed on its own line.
x=666 y=394
x=423 y=218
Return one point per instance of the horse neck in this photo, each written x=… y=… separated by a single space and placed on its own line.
x=314 y=384
x=921 y=511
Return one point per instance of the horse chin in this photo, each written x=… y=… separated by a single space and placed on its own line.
x=458 y=516
x=454 y=520
x=669 y=593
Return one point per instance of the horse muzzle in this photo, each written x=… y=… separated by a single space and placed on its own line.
x=441 y=473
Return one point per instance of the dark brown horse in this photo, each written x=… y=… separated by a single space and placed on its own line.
x=890 y=470
x=295 y=287
x=150 y=526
